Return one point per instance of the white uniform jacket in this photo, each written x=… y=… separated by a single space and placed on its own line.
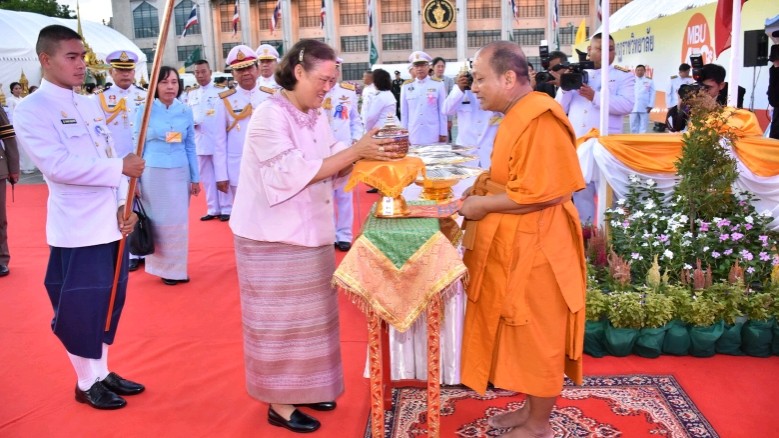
x=235 y=110
x=672 y=95
x=119 y=107
x=585 y=115
x=209 y=129
x=66 y=137
x=421 y=105
x=644 y=94
x=340 y=105
x=475 y=126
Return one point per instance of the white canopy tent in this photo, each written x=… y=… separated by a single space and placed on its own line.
x=19 y=32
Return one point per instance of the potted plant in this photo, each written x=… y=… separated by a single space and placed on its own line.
x=597 y=306
x=706 y=326
x=626 y=317
x=659 y=310
x=757 y=333
x=732 y=298
x=677 y=336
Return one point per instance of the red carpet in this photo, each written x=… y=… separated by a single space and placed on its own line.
x=184 y=343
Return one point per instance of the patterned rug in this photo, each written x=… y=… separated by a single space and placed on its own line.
x=605 y=406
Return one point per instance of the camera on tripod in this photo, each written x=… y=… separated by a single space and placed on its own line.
x=576 y=76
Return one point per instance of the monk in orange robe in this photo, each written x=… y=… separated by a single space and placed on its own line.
x=524 y=323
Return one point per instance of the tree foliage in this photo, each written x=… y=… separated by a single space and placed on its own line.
x=45 y=7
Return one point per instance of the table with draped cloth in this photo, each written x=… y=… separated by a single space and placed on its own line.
x=397 y=270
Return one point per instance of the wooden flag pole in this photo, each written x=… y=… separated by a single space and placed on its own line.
x=128 y=205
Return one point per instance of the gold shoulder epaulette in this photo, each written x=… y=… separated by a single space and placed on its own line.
x=227 y=93
x=621 y=68
x=97 y=91
x=408 y=81
x=6 y=132
x=268 y=90
x=348 y=86
x=674 y=76
x=437 y=79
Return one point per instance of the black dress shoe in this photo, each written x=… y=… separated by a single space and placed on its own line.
x=373 y=190
x=208 y=217
x=121 y=386
x=133 y=265
x=171 y=282
x=100 y=397
x=322 y=406
x=4 y=270
x=224 y=217
x=343 y=246
x=298 y=421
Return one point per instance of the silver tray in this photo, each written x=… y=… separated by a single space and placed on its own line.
x=450 y=172
x=440 y=147
x=442 y=158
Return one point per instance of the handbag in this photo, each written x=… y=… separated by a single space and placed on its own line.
x=141 y=241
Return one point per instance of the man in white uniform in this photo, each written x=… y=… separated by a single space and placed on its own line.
x=644 y=95
x=119 y=103
x=269 y=59
x=340 y=105
x=66 y=136
x=236 y=110
x=583 y=109
x=209 y=131
x=683 y=78
x=421 y=103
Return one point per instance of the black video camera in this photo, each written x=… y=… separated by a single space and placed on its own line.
x=696 y=62
x=543 y=53
x=576 y=76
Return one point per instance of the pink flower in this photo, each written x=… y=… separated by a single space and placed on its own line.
x=748 y=226
x=764 y=256
x=775 y=261
x=723 y=237
x=704 y=226
x=723 y=223
x=751 y=270
x=728 y=251
x=747 y=255
x=736 y=236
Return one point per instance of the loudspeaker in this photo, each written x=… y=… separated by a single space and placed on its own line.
x=755 y=48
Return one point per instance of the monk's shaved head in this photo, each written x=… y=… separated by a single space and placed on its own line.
x=506 y=56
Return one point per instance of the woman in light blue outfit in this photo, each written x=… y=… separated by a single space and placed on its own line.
x=170 y=177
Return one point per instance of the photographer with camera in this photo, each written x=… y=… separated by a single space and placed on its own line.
x=475 y=126
x=679 y=114
x=555 y=65
x=579 y=95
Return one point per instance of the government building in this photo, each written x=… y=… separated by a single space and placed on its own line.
x=452 y=29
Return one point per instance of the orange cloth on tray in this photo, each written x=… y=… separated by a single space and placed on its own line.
x=524 y=323
x=390 y=177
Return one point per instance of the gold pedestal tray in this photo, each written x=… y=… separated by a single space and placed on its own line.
x=390 y=207
x=390 y=177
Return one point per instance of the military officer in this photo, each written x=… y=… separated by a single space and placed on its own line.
x=644 y=95
x=268 y=59
x=340 y=105
x=421 y=102
x=67 y=138
x=236 y=110
x=209 y=131
x=9 y=170
x=683 y=78
x=583 y=109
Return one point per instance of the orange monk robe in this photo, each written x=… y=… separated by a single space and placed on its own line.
x=524 y=322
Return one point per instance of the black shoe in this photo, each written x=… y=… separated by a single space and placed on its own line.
x=171 y=282
x=224 y=217
x=208 y=217
x=4 y=270
x=133 y=265
x=100 y=397
x=343 y=246
x=321 y=406
x=121 y=386
x=298 y=421
x=373 y=190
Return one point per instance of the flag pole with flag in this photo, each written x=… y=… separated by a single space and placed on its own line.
x=276 y=17
x=322 y=14
x=373 y=54
x=581 y=33
x=727 y=34
x=514 y=9
x=191 y=21
x=236 y=19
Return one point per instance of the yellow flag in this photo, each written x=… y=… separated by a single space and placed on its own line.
x=581 y=33
x=182 y=70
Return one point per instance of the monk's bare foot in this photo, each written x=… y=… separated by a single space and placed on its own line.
x=509 y=419
x=527 y=431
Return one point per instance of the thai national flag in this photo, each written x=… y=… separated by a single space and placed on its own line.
x=236 y=19
x=370 y=17
x=555 y=16
x=514 y=9
x=600 y=11
x=191 y=21
x=276 y=17
x=322 y=15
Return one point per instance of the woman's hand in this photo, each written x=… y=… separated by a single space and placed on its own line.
x=473 y=208
x=370 y=148
x=194 y=189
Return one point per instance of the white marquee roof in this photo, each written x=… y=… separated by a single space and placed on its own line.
x=642 y=11
x=19 y=32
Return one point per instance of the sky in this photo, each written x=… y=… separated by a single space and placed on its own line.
x=91 y=10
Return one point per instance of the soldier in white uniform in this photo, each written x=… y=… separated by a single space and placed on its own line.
x=475 y=126
x=421 y=103
x=340 y=105
x=683 y=78
x=583 y=109
x=269 y=59
x=644 y=96
x=66 y=136
x=236 y=110
x=119 y=103
x=209 y=131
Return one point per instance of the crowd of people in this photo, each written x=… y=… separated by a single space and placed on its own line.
x=272 y=155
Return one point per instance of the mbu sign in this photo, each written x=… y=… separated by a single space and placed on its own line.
x=698 y=39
